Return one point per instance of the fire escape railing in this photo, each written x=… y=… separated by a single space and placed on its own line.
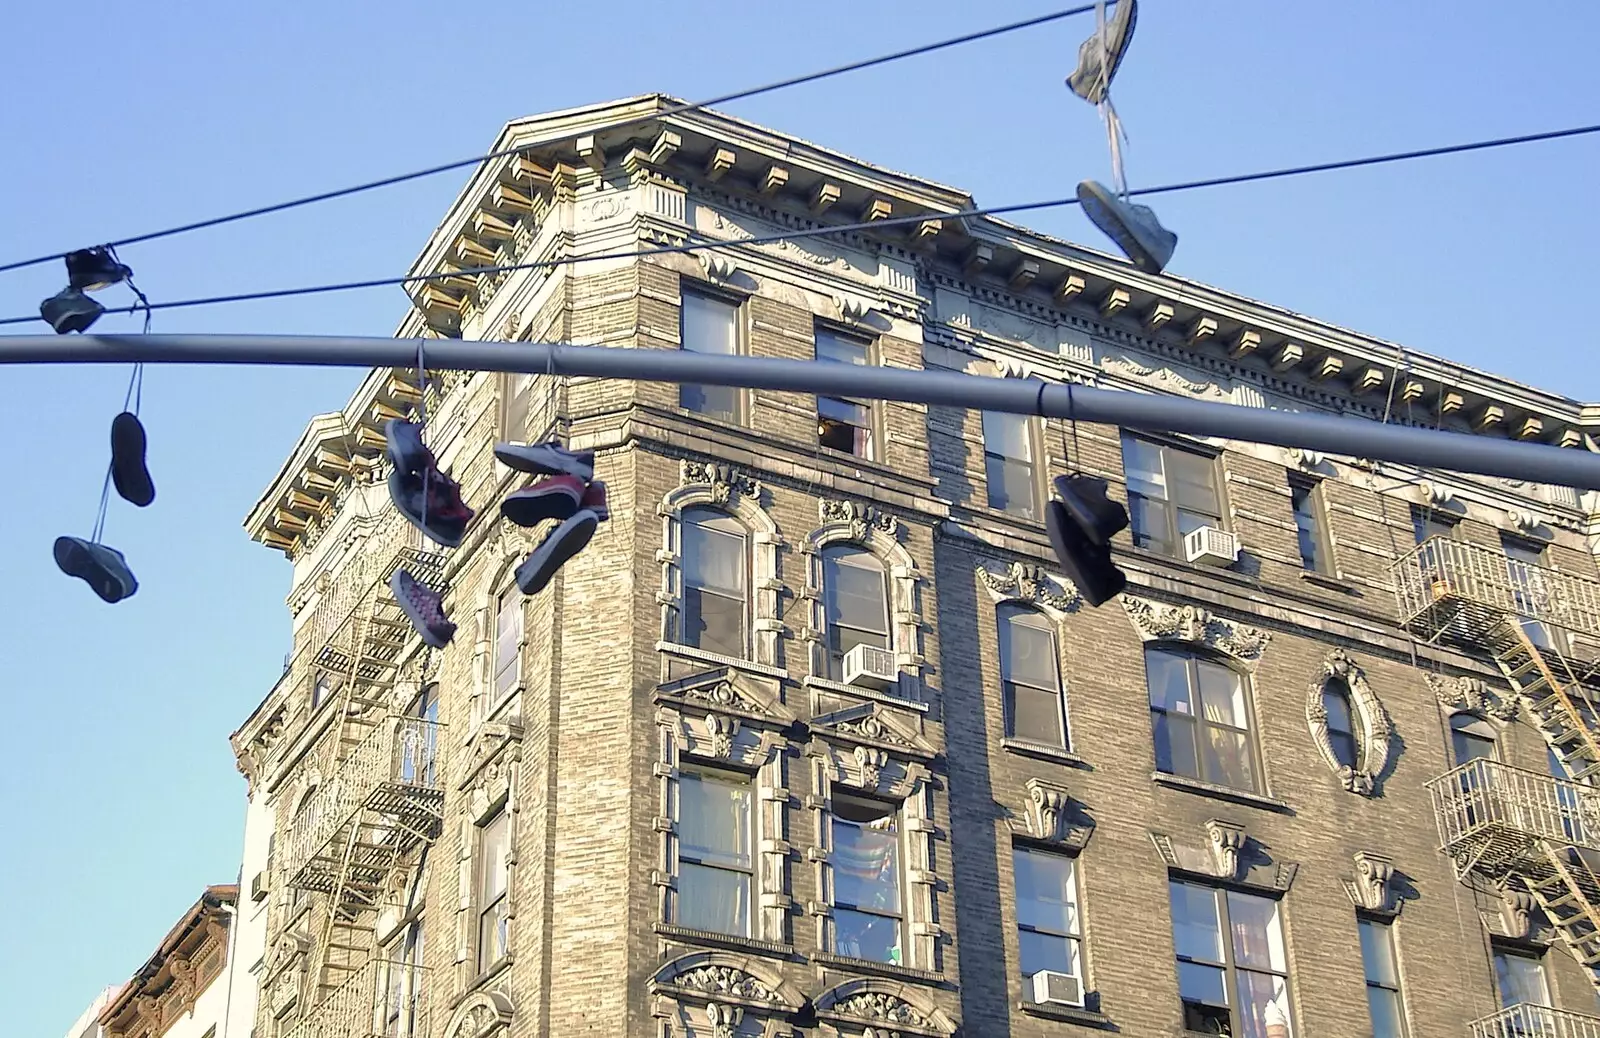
x=1462 y=590
x=1530 y=1021
x=1493 y=814
x=383 y=999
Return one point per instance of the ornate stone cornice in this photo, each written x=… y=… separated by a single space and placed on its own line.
x=1028 y=583
x=724 y=480
x=860 y=517
x=1376 y=730
x=1197 y=626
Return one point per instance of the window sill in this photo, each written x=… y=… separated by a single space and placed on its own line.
x=829 y=685
x=725 y=940
x=1211 y=789
x=1328 y=581
x=482 y=979
x=693 y=653
x=1068 y=1014
x=1044 y=751
x=885 y=969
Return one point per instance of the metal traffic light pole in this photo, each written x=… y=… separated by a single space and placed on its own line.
x=1152 y=412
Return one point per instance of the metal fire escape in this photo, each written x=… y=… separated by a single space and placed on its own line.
x=1510 y=826
x=382 y=801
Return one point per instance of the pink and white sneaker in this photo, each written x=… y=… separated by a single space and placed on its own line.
x=594 y=499
x=554 y=498
x=423 y=608
x=546 y=459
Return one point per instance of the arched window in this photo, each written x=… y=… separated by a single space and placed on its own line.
x=857 y=603
x=1471 y=738
x=1030 y=677
x=1341 y=723
x=716 y=569
x=1200 y=713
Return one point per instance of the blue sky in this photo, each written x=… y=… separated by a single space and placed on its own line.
x=123 y=796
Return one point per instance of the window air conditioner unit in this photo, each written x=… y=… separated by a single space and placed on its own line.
x=260 y=885
x=1211 y=546
x=1061 y=989
x=870 y=666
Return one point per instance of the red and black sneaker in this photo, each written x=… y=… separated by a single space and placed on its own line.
x=423 y=608
x=594 y=499
x=557 y=497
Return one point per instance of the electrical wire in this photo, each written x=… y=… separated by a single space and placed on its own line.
x=738 y=95
x=872 y=225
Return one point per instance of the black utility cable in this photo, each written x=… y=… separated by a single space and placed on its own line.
x=738 y=95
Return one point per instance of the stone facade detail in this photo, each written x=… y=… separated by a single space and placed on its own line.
x=1225 y=851
x=1472 y=695
x=1030 y=584
x=1198 y=626
x=1375 y=729
x=1373 y=887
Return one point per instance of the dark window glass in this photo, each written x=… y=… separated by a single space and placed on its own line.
x=1171 y=492
x=843 y=424
x=1341 y=723
x=1200 y=718
x=710 y=326
x=1008 y=462
x=715 y=575
x=1031 y=677
x=1309 y=526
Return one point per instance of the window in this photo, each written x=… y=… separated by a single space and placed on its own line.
x=1031 y=678
x=405 y=1012
x=714 y=863
x=715 y=575
x=1201 y=719
x=1310 y=526
x=320 y=689
x=843 y=424
x=1426 y=523
x=866 y=879
x=419 y=747
x=1341 y=723
x=1008 y=462
x=1529 y=594
x=1047 y=914
x=1171 y=492
x=856 y=600
x=710 y=326
x=305 y=820
x=507 y=641
x=1233 y=976
x=494 y=846
x=1519 y=977
x=519 y=397
x=1471 y=739
x=1384 y=1004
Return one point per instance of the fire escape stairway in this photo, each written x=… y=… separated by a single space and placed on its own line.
x=388 y=771
x=1553 y=695
x=1568 y=890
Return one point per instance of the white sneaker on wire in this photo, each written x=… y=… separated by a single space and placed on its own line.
x=1134 y=228
x=546 y=459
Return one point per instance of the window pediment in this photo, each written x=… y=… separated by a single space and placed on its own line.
x=1377 y=729
x=729 y=692
x=1161 y=621
x=1226 y=852
x=873 y=726
x=883 y=1006
x=1460 y=692
x=726 y=978
x=1032 y=585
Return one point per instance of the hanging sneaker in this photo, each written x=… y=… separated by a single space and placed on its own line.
x=403 y=444
x=1134 y=228
x=1091 y=80
x=564 y=542
x=594 y=499
x=447 y=517
x=128 y=470
x=556 y=497
x=546 y=459
x=102 y=568
x=423 y=608
x=70 y=311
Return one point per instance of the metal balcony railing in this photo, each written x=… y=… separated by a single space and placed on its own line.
x=1529 y=1021
x=1461 y=590
x=1489 y=811
x=381 y=1000
x=396 y=771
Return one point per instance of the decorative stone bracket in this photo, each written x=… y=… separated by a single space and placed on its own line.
x=1187 y=623
x=1229 y=854
x=1374 y=887
x=1030 y=584
x=1054 y=816
x=1460 y=692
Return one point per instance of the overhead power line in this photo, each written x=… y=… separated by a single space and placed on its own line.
x=875 y=225
x=738 y=95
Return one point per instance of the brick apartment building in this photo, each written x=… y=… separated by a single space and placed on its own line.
x=812 y=741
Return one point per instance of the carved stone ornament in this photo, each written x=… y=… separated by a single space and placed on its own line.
x=871 y=762
x=1373 y=887
x=1050 y=815
x=1304 y=459
x=873 y=729
x=1516 y=912
x=1375 y=733
x=1030 y=584
x=721 y=694
x=1435 y=494
x=878 y=1005
x=724 y=1020
x=1194 y=624
x=1467 y=693
x=1229 y=854
x=724 y=480
x=725 y=980
x=483 y=1014
x=721 y=730
x=1522 y=520
x=860 y=517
